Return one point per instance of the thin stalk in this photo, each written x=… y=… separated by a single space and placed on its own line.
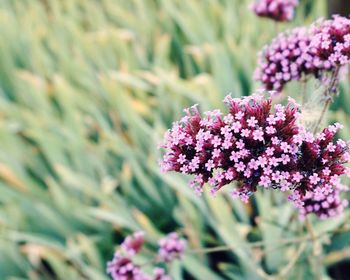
x=303 y=90
x=257 y=244
x=316 y=249
x=323 y=113
x=284 y=272
x=328 y=97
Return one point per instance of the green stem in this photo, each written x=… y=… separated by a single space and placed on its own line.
x=284 y=272
x=258 y=244
x=328 y=97
x=303 y=91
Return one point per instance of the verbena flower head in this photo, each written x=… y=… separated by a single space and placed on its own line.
x=320 y=165
x=251 y=145
x=122 y=268
x=133 y=243
x=171 y=247
x=330 y=42
x=286 y=59
x=278 y=10
x=324 y=206
x=294 y=54
x=256 y=146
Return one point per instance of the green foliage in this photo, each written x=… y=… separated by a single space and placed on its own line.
x=87 y=89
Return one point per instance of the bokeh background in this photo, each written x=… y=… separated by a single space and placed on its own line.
x=87 y=89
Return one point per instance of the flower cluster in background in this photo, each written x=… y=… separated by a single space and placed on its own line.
x=287 y=58
x=330 y=42
x=253 y=146
x=278 y=10
x=295 y=54
x=123 y=267
x=171 y=247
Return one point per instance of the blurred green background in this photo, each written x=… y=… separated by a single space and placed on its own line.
x=87 y=89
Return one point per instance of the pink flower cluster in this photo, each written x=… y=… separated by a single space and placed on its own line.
x=250 y=145
x=297 y=53
x=321 y=163
x=287 y=58
x=171 y=247
x=133 y=243
x=330 y=42
x=122 y=266
x=278 y=10
x=253 y=146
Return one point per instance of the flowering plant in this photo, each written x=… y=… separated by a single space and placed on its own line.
x=259 y=145
x=123 y=267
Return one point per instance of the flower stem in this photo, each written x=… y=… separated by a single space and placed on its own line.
x=284 y=272
x=258 y=244
x=323 y=112
x=303 y=90
x=328 y=96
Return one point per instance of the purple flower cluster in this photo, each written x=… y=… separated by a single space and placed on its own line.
x=330 y=42
x=122 y=267
x=278 y=10
x=286 y=59
x=321 y=163
x=250 y=145
x=297 y=53
x=171 y=247
x=324 y=206
x=133 y=243
x=255 y=146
